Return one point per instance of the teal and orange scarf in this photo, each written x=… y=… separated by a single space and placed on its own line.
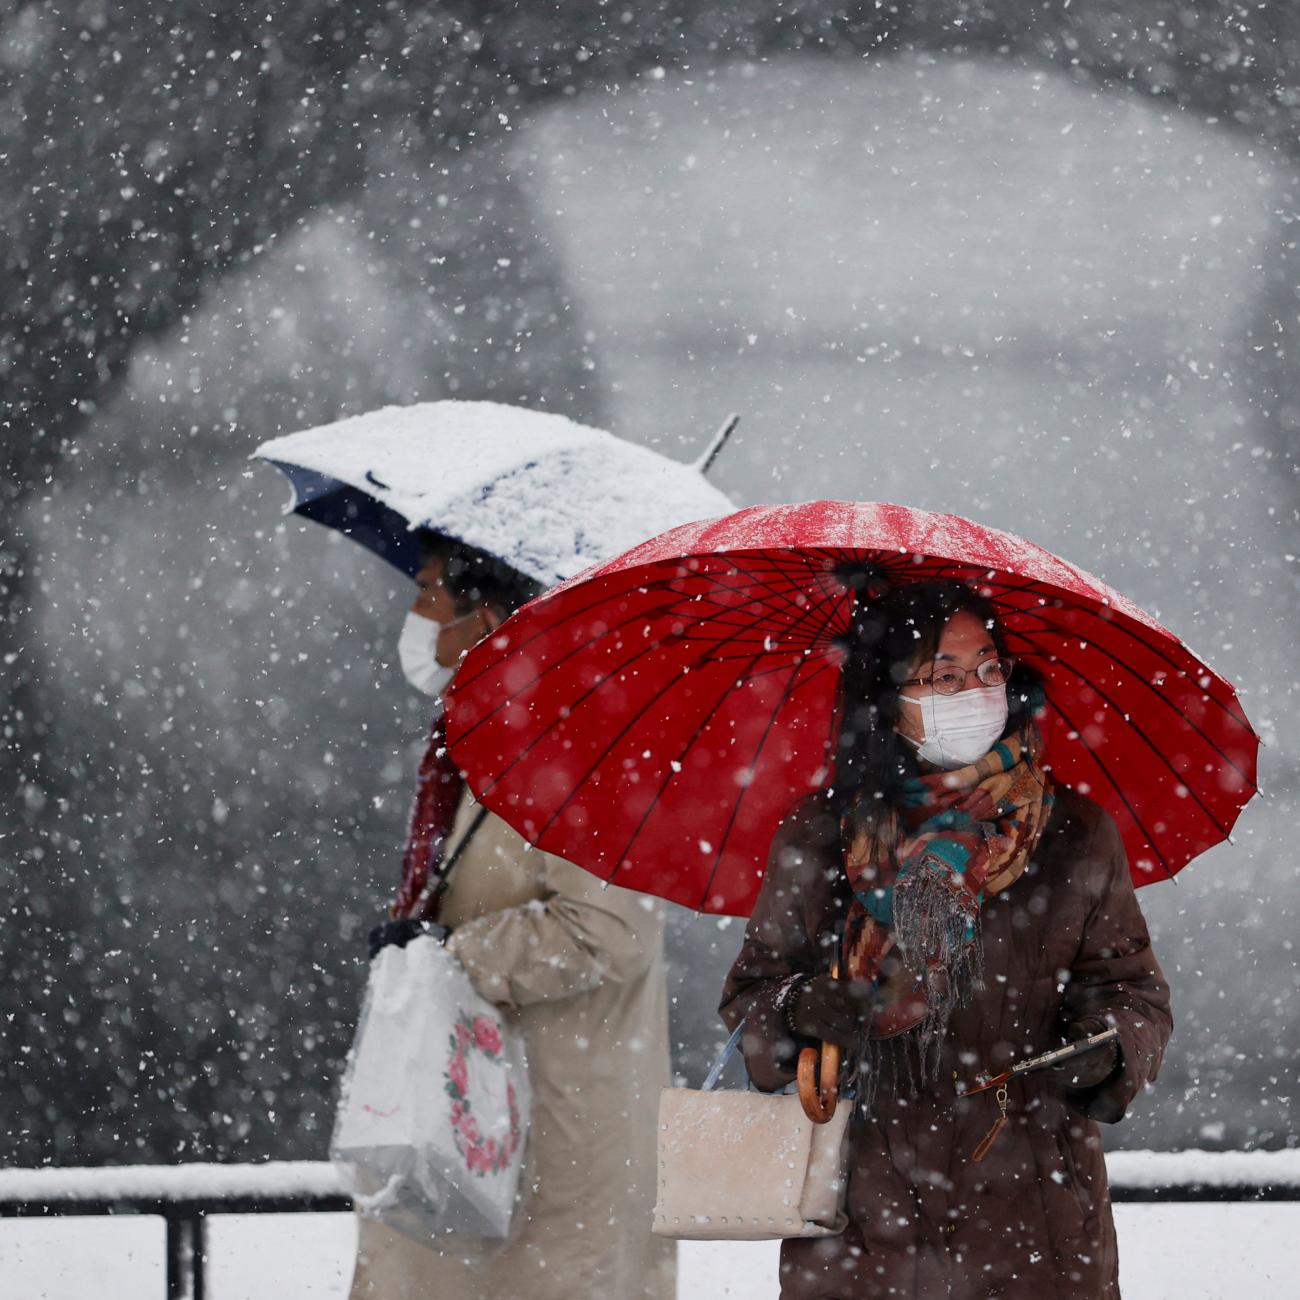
x=920 y=876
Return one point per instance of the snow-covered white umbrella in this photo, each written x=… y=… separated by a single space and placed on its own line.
x=546 y=495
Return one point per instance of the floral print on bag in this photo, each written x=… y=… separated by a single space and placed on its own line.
x=474 y=1037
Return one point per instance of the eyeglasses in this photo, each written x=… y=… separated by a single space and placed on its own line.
x=948 y=679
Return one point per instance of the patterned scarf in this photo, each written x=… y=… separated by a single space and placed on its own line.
x=919 y=880
x=438 y=791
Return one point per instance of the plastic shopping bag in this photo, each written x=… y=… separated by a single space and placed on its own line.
x=429 y=1136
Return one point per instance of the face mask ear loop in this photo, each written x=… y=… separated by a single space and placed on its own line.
x=930 y=725
x=460 y=618
x=928 y=728
x=934 y=732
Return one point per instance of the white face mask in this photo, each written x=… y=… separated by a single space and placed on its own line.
x=960 y=729
x=417 y=651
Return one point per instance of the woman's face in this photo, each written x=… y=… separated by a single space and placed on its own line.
x=460 y=632
x=966 y=643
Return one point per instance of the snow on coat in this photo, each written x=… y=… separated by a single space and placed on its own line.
x=578 y=968
x=1033 y=1220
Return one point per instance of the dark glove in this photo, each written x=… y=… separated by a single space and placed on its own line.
x=1092 y=1068
x=831 y=1010
x=402 y=932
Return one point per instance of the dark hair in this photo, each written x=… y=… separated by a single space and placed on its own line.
x=476 y=577
x=892 y=629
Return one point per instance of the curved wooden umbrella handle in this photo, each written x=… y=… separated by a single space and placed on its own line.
x=819 y=1094
x=820 y=1091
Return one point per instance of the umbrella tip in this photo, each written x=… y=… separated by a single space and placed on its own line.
x=719 y=440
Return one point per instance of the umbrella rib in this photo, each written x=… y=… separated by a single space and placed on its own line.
x=755 y=562
x=1151 y=745
x=787 y=694
x=605 y=598
x=801 y=660
x=727 y=614
x=1155 y=690
x=756 y=559
x=1153 y=647
x=756 y=567
x=636 y=582
x=658 y=795
x=779 y=601
x=818 y=576
x=666 y=608
x=680 y=636
x=578 y=649
x=750 y=589
x=667 y=781
x=1209 y=740
x=1124 y=799
x=609 y=748
x=833 y=736
x=811 y=638
x=810 y=654
x=582 y=699
x=636 y=585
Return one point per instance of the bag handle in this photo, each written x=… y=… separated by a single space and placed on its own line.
x=723 y=1056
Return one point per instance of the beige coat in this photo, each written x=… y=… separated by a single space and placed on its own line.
x=579 y=968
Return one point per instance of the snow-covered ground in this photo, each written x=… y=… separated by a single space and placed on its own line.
x=1167 y=1252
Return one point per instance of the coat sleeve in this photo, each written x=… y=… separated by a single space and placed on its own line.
x=780 y=945
x=579 y=934
x=1116 y=980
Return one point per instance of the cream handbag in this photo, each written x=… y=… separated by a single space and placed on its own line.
x=748 y=1166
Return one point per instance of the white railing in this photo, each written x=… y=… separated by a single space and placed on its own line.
x=185 y=1196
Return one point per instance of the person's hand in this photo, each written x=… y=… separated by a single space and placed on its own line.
x=402 y=932
x=831 y=1010
x=1092 y=1068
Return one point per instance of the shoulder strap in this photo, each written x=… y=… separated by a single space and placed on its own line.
x=427 y=906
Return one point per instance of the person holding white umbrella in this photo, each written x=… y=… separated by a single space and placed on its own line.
x=486 y=506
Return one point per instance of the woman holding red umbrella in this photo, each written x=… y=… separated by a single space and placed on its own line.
x=979 y=913
x=928 y=753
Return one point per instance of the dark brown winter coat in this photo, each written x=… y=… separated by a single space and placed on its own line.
x=1064 y=942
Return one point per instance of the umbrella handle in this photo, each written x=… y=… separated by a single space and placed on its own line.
x=819 y=1091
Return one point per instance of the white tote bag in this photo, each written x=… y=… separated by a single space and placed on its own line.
x=748 y=1166
x=429 y=1136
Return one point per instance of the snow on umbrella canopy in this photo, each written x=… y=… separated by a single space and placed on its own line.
x=546 y=495
x=656 y=719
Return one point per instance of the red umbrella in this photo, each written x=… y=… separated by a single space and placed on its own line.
x=656 y=717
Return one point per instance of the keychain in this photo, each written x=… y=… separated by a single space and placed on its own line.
x=1044 y=1062
x=998 y=1124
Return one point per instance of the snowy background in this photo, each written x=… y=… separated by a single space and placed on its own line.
x=965 y=283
